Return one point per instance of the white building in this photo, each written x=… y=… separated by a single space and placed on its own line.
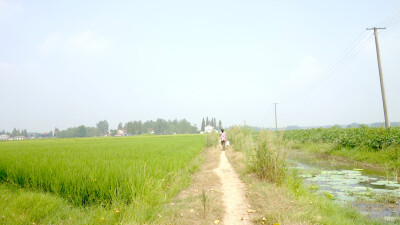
x=19 y=138
x=4 y=137
x=121 y=132
x=208 y=129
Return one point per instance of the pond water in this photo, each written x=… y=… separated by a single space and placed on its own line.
x=376 y=194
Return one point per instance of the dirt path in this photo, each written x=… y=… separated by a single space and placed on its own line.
x=233 y=194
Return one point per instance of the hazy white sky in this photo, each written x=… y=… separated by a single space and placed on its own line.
x=67 y=63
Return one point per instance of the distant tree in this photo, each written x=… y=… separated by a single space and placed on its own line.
x=3 y=132
x=203 y=125
x=15 y=133
x=24 y=133
x=219 y=125
x=51 y=134
x=137 y=127
x=81 y=131
x=102 y=127
x=91 y=131
x=56 y=131
x=119 y=126
x=113 y=132
x=130 y=128
x=207 y=121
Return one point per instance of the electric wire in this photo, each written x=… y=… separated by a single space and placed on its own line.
x=391 y=24
x=360 y=43
x=388 y=20
x=365 y=44
x=361 y=46
x=338 y=62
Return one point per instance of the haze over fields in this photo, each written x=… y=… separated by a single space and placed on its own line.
x=67 y=63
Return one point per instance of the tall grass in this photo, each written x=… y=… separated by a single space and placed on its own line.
x=138 y=171
x=270 y=157
x=212 y=139
x=265 y=154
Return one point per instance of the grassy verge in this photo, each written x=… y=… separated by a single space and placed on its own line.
x=288 y=201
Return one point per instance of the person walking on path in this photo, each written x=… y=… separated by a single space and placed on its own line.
x=223 y=139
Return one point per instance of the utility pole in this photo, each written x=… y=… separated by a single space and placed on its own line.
x=276 y=119
x=378 y=55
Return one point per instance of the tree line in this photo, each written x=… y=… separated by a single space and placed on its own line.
x=16 y=132
x=158 y=127
x=135 y=127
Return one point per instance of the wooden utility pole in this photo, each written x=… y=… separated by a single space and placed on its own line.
x=378 y=55
x=276 y=118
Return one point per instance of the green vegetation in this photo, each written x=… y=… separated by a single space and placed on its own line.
x=133 y=175
x=22 y=206
x=160 y=126
x=377 y=146
x=285 y=200
x=373 y=139
x=80 y=131
x=265 y=153
x=15 y=132
x=212 y=139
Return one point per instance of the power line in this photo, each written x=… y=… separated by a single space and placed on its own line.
x=352 y=55
x=388 y=20
x=391 y=24
x=338 y=62
x=332 y=80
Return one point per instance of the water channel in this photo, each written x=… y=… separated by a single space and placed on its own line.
x=374 y=193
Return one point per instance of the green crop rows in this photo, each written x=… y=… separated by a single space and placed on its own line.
x=372 y=138
x=102 y=171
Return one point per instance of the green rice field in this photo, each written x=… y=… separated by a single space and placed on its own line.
x=140 y=173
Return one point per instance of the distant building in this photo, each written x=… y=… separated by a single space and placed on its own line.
x=19 y=138
x=208 y=129
x=4 y=137
x=121 y=133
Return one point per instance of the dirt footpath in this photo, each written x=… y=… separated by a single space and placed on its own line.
x=218 y=182
x=233 y=191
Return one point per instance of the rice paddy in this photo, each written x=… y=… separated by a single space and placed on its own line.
x=139 y=172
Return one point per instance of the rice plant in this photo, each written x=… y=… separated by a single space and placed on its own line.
x=134 y=171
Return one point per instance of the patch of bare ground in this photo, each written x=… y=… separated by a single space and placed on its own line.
x=272 y=204
x=238 y=211
x=201 y=202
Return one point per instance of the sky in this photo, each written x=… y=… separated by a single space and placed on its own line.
x=70 y=63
